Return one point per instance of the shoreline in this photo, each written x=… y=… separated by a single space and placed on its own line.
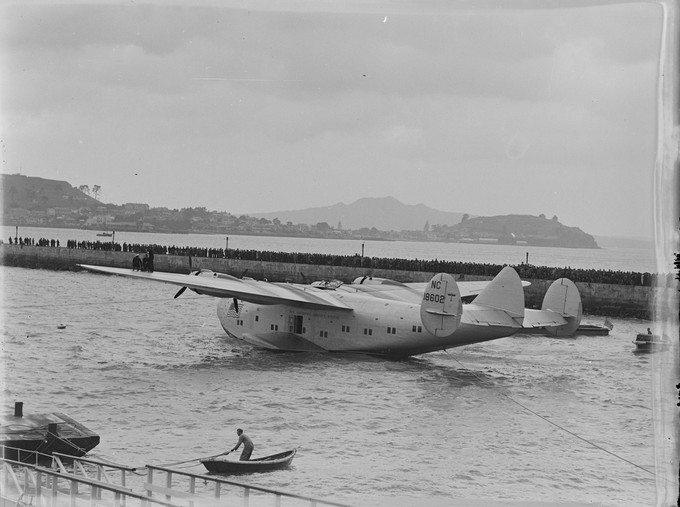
x=606 y=299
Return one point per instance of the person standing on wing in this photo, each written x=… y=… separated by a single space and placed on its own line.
x=247 y=445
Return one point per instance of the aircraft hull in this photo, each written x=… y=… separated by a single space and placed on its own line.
x=388 y=328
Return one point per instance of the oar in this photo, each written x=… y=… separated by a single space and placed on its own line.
x=195 y=459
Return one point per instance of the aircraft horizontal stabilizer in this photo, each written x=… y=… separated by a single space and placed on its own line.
x=542 y=318
x=561 y=308
x=481 y=316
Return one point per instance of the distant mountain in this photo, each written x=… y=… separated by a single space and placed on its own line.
x=383 y=213
x=32 y=193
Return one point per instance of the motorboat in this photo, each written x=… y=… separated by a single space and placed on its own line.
x=649 y=342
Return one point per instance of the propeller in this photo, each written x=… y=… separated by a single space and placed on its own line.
x=236 y=300
x=181 y=291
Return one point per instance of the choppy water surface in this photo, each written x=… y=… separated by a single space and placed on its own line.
x=159 y=380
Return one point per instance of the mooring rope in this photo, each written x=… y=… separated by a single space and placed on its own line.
x=589 y=442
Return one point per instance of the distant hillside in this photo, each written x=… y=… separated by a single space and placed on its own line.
x=520 y=229
x=31 y=193
x=383 y=213
x=27 y=201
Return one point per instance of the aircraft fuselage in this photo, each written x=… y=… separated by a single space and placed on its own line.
x=374 y=326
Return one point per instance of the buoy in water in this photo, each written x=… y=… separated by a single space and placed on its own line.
x=61 y=326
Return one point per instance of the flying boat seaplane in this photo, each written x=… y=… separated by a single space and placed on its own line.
x=375 y=315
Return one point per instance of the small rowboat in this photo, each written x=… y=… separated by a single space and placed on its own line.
x=265 y=464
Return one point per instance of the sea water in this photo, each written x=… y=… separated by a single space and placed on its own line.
x=520 y=419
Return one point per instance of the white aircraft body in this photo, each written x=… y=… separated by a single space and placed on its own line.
x=372 y=315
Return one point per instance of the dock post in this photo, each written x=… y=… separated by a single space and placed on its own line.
x=149 y=479
x=168 y=484
x=73 y=493
x=38 y=485
x=52 y=434
x=55 y=490
x=19 y=409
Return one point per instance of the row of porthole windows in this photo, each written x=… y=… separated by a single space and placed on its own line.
x=345 y=329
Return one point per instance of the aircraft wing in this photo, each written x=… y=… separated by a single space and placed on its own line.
x=542 y=318
x=225 y=286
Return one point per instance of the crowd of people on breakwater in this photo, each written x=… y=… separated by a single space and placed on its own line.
x=33 y=242
x=525 y=271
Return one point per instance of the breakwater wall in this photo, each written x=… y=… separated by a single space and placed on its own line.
x=611 y=300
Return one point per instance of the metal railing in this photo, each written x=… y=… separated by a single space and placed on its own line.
x=91 y=469
x=204 y=487
x=76 y=481
x=24 y=485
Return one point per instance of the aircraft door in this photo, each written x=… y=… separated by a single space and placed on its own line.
x=295 y=324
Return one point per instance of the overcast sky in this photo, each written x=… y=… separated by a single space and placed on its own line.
x=460 y=106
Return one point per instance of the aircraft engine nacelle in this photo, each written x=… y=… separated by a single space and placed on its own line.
x=563 y=297
x=441 y=308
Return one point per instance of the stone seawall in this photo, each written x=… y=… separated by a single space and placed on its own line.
x=598 y=298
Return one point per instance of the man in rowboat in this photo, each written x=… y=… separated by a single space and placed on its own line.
x=247 y=445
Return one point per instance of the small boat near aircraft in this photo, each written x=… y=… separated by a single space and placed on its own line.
x=264 y=464
x=647 y=342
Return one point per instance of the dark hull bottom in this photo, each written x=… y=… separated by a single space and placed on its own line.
x=21 y=437
x=266 y=464
x=650 y=347
x=25 y=450
x=583 y=330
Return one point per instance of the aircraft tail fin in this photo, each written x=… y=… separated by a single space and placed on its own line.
x=505 y=292
x=562 y=297
x=441 y=308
